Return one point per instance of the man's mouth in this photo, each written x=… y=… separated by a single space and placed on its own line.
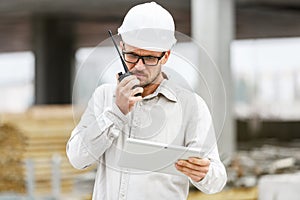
x=139 y=75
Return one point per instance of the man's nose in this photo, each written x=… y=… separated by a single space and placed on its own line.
x=140 y=65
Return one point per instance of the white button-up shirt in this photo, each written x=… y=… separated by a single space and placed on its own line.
x=171 y=115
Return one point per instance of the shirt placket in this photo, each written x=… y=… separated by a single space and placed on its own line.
x=135 y=123
x=124 y=186
x=125 y=175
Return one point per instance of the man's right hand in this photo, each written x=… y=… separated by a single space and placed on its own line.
x=125 y=98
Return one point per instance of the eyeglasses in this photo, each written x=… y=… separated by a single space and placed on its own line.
x=133 y=58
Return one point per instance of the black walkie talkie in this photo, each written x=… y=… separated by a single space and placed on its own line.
x=127 y=72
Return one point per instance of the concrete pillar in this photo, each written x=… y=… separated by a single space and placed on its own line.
x=53 y=41
x=213 y=28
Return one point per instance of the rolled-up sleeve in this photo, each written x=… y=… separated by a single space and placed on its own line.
x=215 y=179
x=201 y=134
x=96 y=131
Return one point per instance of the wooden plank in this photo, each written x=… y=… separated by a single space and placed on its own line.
x=36 y=135
x=227 y=194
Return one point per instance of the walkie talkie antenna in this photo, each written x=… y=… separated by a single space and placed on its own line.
x=127 y=72
x=122 y=60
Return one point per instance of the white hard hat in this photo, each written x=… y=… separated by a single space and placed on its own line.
x=148 y=26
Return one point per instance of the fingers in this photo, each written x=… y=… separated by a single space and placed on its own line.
x=188 y=165
x=124 y=87
x=192 y=171
x=137 y=90
x=191 y=166
x=125 y=92
x=201 y=162
x=129 y=86
x=195 y=176
x=129 y=82
x=195 y=168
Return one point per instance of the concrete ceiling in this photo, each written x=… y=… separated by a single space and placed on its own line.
x=90 y=7
x=254 y=18
x=269 y=2
x=105 y=6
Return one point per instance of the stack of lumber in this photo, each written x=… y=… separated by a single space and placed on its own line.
x=36 y=135
x=11 y=147
x=227 y=194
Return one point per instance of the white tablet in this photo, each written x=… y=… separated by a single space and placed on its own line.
x=154 y=157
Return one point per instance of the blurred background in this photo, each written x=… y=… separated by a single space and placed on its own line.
x=254 y=43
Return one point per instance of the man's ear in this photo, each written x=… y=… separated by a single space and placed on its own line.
x=166 y=57
x=121 y=44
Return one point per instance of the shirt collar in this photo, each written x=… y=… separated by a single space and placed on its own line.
x=166 y=88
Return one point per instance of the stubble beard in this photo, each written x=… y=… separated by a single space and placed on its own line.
x=152 y=81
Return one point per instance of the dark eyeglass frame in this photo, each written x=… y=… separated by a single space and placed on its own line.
x=142 y=57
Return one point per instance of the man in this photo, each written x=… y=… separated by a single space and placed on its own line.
x=164 y=113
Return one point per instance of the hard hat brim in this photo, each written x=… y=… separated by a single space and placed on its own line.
x=149 y=39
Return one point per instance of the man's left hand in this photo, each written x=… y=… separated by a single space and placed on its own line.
x=195 y=168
